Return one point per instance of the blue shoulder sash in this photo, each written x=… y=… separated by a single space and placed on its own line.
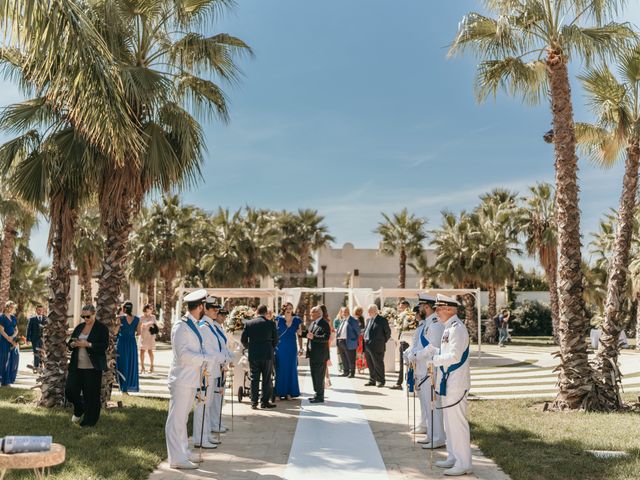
x=194 y=329
x=450 y=370
x=423 y=338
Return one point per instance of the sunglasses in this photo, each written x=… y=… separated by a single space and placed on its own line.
x=86 y=316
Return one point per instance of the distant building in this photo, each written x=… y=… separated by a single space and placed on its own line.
x=361 y=268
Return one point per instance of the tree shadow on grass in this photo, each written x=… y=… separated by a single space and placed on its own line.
x=526 y=456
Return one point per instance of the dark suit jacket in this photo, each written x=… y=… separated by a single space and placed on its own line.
x=318 y=348
x=379 y=334
x=34 y=329
x=353 y=332
x=260 y=337
x=99 y=339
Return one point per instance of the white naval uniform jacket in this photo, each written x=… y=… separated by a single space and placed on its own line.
x=455 y=340
x=226 y=347
x=215 y=356
x=434 y=330
x=188 y=356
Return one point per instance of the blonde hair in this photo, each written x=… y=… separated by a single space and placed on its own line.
x=9 y=305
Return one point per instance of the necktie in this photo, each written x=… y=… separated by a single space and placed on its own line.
x=368 y=329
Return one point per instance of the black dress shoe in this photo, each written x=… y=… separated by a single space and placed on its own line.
x=370 y=384
x=353 y=375
x=344 y=374
x=316 y=400
x=380 y=385
x=267 y=405
x=254 y=406
x=396 y=387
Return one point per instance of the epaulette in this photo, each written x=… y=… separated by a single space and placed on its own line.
x=456 y=323
x=434 y=320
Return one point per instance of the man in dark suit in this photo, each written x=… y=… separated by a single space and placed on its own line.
x=376 y=336
x=318 y=352
x=347 y=340
x=34 y=334
x=260 y=337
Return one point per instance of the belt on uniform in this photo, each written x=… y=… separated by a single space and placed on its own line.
x=454 y=404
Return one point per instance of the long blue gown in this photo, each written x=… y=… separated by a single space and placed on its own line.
x=287 y=359
x=9 y=356
x=127 y=359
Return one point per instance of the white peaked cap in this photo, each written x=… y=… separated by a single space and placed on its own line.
x=444 y=301
x=197 y=296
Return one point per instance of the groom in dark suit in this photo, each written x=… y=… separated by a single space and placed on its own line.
x=376 y=335
x=318 y=352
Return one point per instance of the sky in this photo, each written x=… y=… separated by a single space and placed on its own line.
x=352 y=107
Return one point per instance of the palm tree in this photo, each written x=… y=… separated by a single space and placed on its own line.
x=164 y=65
x=495 y=239
x=428 y=273
x=29 y=278
x=87 y=249
x=617 y=108
x=164 y=237
x=259 y=245
x=634 y=272
x=454 y=246
x=537 y=221
x=16 y=216
x=526 y=49
x=402 y=234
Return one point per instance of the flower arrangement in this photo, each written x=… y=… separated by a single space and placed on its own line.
x=237 y=317
x=391 y=314
x=407 y=321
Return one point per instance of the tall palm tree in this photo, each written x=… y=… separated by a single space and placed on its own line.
x=164 y=236
x=538 y=224
x=428 y=273
x=16 y=216
x=617 y=108
x=165 y=65
x=454 y=246
x=87 y=249
x=259 y=245
x=495 y=236
x=402 y=234
x=526 y=48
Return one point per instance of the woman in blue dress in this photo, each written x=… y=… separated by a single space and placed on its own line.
x=127 y=350
x=289 y=330
x=9 y=351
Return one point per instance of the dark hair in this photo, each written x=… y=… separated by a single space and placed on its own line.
x=283 y=309
x=325 y=312
x=505 y=312
x=193 y=305
x=262 y=310
x=147 y=307
x=39 y=306
x=89 y=308
x=404 y=302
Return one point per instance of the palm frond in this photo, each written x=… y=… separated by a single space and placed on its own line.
x=514 y=76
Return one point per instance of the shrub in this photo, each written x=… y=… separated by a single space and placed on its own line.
x=531 y=318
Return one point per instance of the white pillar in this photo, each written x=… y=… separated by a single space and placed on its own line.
x=479 y=307
x=134 y=296
x=75 y=300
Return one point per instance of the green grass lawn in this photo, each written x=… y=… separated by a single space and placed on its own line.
x=533 y=445
x=127 y=443
x=532 y=341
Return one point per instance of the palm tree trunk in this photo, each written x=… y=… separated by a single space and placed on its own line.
x=85 y=280
x=168 y=298
x=607 y=357
x=6 y=257
x=108 y=299
x=638 y=321
x=552 y=280
x=490 y=332
x=575 y=379
x=470 y=321
x=403 y=268
x=55 y=362
x=151 y=293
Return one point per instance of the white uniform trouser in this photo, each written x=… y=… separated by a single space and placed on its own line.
x=425 y=411
x=216 y=406
x=176 y=428
x=206 y=409
x=458 y=435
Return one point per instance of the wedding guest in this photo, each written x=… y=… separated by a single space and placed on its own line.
x=361 y=362
x=332 y=336
x=127 y=350
x=318 y=352
x=34 y=334
x=289 y=331
x=358 y=313
x=88 y=344
x=260 y=337
x=376 y=336
x=9 y=351
x=347 y=339
x=148 y=330
x=402 y=307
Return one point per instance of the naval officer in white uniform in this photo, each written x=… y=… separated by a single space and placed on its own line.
x=185 y=377
x=429 y=332
x=227 y=363
x=452 y=361
x=215 y=361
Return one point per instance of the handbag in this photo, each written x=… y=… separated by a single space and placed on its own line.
x=153 y=329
